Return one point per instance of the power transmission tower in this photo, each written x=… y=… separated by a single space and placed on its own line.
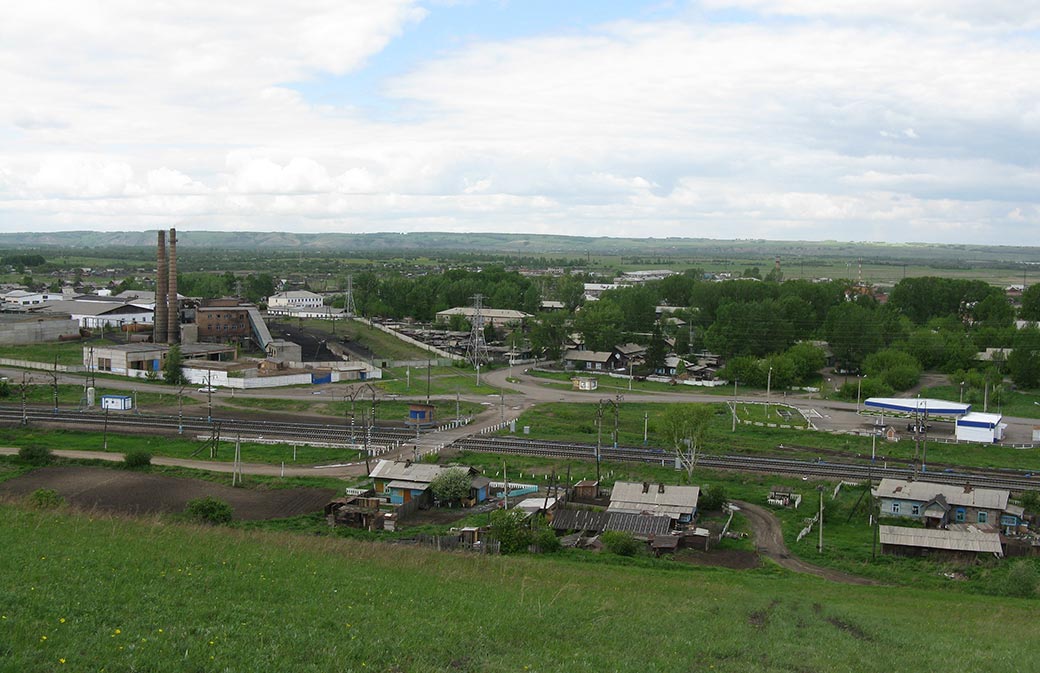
x=349 y=308
x=477 y=350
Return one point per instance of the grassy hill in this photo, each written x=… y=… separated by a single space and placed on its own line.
x=86 y=592
x=523 y=245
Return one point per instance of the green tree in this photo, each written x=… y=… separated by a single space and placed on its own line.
x=599 y=323
x=1030 y=303
x=656 y=351
x=547 y=335
x=173 y=368
x=451 y=485
x=712 y=498
x=853 y=333
x=686 y=426
x=508 y=526
x=806 y=359
x=1023 y=364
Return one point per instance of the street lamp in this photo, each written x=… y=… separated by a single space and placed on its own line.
x=961 y=400
x=859 y=388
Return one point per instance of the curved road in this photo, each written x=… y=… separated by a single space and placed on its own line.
x=769 y=541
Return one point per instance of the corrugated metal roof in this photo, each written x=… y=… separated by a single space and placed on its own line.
x=957 y=496
x=968 y=539
x=628 y=496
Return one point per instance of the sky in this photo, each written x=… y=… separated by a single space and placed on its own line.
x=888 y=120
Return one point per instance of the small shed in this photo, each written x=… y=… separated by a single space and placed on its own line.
x=117 y=402
x=979 y=427
x=586 y=383
x=586 y=489
x=420 y=415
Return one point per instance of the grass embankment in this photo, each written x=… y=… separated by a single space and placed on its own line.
x=384 y=346
x=577 y=423
x=173 y=447
x=108 y=593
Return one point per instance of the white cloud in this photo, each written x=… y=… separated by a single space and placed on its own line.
x=862 y=120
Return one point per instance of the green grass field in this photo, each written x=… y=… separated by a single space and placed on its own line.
x=173 y=447
x=68 y=353
x=91 y=593
x=443 y=381
x=577 y=423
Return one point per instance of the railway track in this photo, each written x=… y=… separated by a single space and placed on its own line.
x=289 y=431
x=1015 y=481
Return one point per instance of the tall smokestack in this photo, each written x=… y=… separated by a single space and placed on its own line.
x=161 y=278
x=173 y=310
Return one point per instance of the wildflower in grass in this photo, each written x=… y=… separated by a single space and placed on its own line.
x=43 y=638
x=61 y=661
x=61 y=620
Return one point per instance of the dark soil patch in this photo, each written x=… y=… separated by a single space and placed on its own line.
x=849 y=628
x=737 y=559
x=759 y=619
x=142 y=493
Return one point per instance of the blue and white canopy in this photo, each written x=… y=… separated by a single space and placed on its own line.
x=921 y=405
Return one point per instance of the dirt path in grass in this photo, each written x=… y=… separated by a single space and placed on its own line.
x=769 y=540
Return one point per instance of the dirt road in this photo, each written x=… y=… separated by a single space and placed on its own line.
x=769 y=540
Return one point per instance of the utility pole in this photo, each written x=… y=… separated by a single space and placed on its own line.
x=646 y=425
x=54 y=376
x=769 y=385
x=209 y=397
x=180 y=411
x=819 y=546
x=105 y=446
x=24 y=388
x=599 y=437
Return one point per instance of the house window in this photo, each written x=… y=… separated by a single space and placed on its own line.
x=983 y=517
x=960 y=516
x=915 y=510
x=895 y=508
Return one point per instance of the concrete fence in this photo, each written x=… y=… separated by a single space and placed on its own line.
x=43 y=366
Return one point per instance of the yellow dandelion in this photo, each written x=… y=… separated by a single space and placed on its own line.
x=118 y=632
x=43 y=638
x=61 y=660
x=61 y=621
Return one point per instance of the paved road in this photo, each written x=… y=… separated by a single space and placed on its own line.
x=769 y=540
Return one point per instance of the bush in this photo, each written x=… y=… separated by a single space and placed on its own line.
x=1021 y=580
x=712 y=498
x=45 y=498
x=546 y=541
x=137 y=459
x=508 y=527
x=35 y=455
x=208 y=510
x=622 y=544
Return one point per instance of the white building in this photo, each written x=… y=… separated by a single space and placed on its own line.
x=979 y=427
x=295 y=299
x=29 y=298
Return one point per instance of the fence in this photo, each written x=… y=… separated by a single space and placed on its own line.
x=808 y=529
x=45 y=366
x=456 y=543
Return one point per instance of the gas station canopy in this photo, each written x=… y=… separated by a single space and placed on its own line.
x=921 y=405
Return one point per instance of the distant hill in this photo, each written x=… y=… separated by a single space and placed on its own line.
x=523 y=244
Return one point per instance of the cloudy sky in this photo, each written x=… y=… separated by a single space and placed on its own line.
x=887 y=120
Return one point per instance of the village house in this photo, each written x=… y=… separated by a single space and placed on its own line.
x=600 y=361
x=402 y=482
x=939 y=505
x=678 y=503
